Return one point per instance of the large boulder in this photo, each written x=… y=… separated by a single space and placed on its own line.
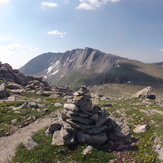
x=146 y=92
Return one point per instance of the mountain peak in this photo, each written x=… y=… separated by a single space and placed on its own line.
x=91 y=67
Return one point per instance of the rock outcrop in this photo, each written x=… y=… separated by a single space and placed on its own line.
x=17 y=83
x=81 y=122
x=10 y=75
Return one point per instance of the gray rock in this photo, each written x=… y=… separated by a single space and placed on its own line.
x=32 y=104
x=29 y=143
x=101 y=120
x=94 y=117
x=96 y=130
x=81 y=120
x=53 y=127
x=85 y=105
x=146 y=92
x=57 y=139
x=87 y=113
x=83 y=115
x=14 y=121
x=121 y=129
x=95 y=109
x=41 y=105
x=87 y=150
x=71 y=107
x=62 y=151
x=12 y=85
x=57 y=104
x=23 y=106
x=71 y=139
x=103 y=113
x=79 y=125
x=63 y=115
x=34 y=77
x=17 y=92
x=64 y=133
x=70 y=115
x=160 y=153
x=68 y=127
x=73 y=161
x=141 y=128
x=84 y=138
x=3 y=92
x=7 y=134
x=87 y=97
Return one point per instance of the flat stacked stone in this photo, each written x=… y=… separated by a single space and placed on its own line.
x=81 y=122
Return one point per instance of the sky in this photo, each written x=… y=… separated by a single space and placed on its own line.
x=127 y=28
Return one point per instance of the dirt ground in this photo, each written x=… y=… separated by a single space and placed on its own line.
x=8 y=144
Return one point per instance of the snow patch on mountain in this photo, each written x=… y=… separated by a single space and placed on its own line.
x=53 y=66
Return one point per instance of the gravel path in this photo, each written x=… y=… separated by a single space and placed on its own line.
x=8 y=144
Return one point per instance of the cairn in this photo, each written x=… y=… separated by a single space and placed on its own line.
x=81 y=122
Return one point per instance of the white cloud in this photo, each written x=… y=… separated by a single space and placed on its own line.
x=55 y=32
x=49 y=4
x=15 y=54
x=85 y=6
x=161 y=50
x=11 y=47
x=93 y=4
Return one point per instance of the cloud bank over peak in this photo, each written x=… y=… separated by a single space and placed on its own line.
x=93 y=4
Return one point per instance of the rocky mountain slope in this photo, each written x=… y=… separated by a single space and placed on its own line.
x=91 y=67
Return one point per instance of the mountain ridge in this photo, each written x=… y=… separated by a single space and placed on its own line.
x=90 y=67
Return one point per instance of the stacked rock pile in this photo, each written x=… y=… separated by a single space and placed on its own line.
x=81 y=122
